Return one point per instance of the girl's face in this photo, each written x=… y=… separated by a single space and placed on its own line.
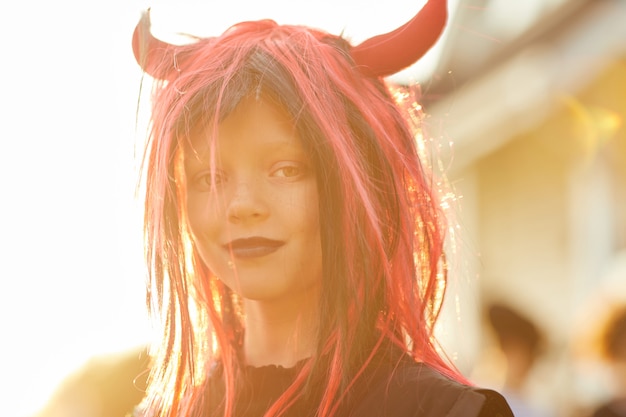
x=257 y=226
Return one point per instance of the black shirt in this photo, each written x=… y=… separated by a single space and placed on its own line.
x=401 y=389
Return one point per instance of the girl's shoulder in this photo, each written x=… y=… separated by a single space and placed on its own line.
x=418 y=390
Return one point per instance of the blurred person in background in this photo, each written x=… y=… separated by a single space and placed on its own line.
x=613 y=348
x=521 y=343
x=106 y=386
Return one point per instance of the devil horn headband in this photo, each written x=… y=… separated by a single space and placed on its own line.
x=379 y=56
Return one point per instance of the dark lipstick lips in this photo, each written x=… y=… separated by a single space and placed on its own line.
x=253 y=247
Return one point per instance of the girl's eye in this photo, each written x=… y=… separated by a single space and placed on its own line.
x=288 y=171
x=203 y=180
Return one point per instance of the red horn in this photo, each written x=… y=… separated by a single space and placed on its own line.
x=391 y=52
x=155 y=57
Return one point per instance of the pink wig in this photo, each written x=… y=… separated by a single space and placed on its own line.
x=382 y=228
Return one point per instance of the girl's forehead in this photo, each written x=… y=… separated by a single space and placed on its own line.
x=253 y=121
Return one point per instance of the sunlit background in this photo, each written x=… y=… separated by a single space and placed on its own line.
x=528 y=98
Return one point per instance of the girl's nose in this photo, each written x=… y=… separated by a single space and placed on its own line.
x=246 y=204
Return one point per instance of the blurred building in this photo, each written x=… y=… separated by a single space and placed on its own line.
x=534 y=104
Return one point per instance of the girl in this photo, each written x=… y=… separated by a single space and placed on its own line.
x=293 y=238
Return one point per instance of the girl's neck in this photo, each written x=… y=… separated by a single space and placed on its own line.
x=281 y=333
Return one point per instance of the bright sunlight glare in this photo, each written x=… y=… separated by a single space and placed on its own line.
x=71 y=258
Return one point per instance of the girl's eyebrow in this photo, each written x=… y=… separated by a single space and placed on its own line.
x=194 y=154
x=200 y=154
x=291 y=145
